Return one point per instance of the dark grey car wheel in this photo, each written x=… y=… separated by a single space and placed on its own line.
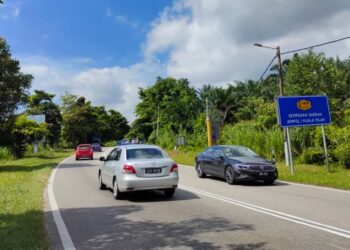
x=199 y=169
x=230 y=175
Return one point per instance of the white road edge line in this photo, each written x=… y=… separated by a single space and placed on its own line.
x=61 y=226
x=283 y=216
x=297 y=184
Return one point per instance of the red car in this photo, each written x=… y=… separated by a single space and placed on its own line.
x=84 y=151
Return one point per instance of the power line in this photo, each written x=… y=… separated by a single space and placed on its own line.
x=297 y=50
x=314 y=46
x=273 y=59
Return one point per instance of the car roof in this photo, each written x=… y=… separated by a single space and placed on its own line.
x=134 y=146
x=84 y=145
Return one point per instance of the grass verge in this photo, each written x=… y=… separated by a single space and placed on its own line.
x=306 y=174
x=22 y=183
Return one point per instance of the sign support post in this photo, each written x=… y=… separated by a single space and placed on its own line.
x=325 y=148
x=290 y=158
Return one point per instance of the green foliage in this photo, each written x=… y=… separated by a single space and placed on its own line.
x=25 y=132
x=82 y=121
x=42 y=103
x=14 y=87
x=173 y=101
x=342 y=154
x=198 y=139
x=264 y=142
x=14 y=84
x=314 y=155
x=6 y=154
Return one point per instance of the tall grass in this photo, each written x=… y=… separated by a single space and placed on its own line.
x=267 y=143
x=6 y=154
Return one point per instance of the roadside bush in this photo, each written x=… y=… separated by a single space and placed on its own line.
x=342 y=154
x=42 y=151
x=6 y=154
x=312 y=155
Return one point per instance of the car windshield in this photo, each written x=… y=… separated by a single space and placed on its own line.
x=144 y=153
x=239 y=152
x=84 y=147
x=95 y=144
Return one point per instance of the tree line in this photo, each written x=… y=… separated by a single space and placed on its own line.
x=244 y=111
x=75 y=121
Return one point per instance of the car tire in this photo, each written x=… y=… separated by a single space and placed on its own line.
x=91 y=158
x=77 y=159
x=199 y=169
x=269 y=182
x=101 y=185
x=116 y=193
x=169 y=192
x=230 y=175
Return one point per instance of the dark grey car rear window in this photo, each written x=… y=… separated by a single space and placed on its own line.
x=144 y=153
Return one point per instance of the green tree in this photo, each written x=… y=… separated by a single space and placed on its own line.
x=14 y=85
x=176 y=101
x=79 y=121
x=26 y=131
x=41 y=103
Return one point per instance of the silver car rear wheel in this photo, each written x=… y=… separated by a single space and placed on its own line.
x=116 y=193
x=101 y=185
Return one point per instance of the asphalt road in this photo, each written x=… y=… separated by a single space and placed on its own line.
x=203 y=214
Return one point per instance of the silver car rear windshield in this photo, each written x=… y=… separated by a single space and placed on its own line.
x=144 y=153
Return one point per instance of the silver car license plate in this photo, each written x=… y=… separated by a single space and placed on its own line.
x=153 y=170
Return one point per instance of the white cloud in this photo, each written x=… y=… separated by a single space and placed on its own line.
x=121 y=19
x=212 y=41
x=10 y=10
x=115 y=87
x=203 y=40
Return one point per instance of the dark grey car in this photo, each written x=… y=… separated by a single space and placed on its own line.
x=235 y=163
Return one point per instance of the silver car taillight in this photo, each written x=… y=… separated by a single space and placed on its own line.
x=174 y=168
x=129 y=169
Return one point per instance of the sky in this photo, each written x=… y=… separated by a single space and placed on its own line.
x=106 y=50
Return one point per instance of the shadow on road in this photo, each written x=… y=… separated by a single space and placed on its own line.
x=157 y=196
x=112 y=228
x=250 y=183
x=80 y=164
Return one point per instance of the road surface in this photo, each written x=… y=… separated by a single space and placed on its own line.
x=203 y=214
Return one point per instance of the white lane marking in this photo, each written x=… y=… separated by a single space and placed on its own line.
x=330 y=229
x=297 y=184
x=61 y=227
x=314 y=186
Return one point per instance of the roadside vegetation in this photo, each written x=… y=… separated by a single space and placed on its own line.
x=304 y=173
x=22 y=182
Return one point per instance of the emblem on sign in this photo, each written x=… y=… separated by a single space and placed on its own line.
x=304 y=105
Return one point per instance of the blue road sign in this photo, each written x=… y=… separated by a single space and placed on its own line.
x=294 y=111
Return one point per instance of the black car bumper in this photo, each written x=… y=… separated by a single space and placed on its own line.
x=256 y=175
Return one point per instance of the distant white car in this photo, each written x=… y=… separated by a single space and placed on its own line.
x=138 y=167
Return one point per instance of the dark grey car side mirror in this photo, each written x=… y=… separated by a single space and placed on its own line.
x=102 y=158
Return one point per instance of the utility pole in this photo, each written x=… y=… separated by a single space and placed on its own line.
x=286 y=139
x=209 y=129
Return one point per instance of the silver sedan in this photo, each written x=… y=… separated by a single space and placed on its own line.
x=138 y=167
